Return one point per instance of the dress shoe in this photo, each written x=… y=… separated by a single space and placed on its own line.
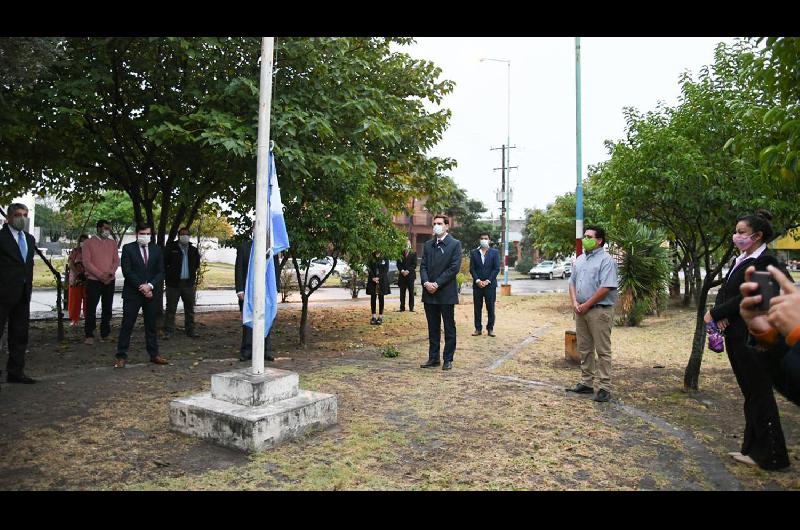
x=477 y=333
x=158 y=360
x=88 y=340
x=448 y=365
x=20 y=379
x=430 y=364
x=491 y=333
x=401 y=310
x=412 y=310
x=373 y=321
x=269 y=358
x=166 y=336
x=744 y=459
x=602 y=396
x=105 y=339
x=120 y=363
x=243 y=358
x=580 y=388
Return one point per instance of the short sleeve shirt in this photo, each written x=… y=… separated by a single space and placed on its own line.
x=593 y=271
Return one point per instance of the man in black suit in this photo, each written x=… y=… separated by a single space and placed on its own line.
x=143 y=268
x=16 y=270
x=240 y=272
x=441 y=261
x=180 y=268
x=406 y=276
x=484 y=266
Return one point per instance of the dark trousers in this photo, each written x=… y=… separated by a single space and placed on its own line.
x=435 y=314
x=16 y=313
x=372 y=298
x=246 y=349
x=95 y=291
x=489 y=294
x=763 y=436
x=406 y=285
x=130 y=311
x=185 y=291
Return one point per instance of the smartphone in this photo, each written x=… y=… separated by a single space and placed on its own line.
x=767 y=288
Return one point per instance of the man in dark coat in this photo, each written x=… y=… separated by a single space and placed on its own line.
x=484 y=265
x=240 y=279
x=181 y=263
x=407 y=276
x=16 y=270
x=143 y=268
x=441 y=261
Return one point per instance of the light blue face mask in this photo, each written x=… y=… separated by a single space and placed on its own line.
x=484 y=243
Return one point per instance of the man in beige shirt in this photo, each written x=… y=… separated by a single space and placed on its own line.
x=101 y=260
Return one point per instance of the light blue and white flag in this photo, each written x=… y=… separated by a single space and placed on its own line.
x=280 y=242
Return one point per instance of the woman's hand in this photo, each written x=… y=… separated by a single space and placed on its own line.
x=784 y=310
x=708 y=318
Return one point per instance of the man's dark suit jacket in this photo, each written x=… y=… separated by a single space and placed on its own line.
x=16 y=276
x=409 y=263
x=484 y=271
x=136 y=273
x=173 y=262
x=440 y=264
x=243 y=266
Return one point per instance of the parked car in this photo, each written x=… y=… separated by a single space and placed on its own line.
x=548 y=270
x=393 y=275
x=568 y=269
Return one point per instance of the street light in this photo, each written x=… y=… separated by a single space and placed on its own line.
x=507 y=165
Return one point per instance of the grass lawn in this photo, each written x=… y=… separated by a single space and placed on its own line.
x=42 y=275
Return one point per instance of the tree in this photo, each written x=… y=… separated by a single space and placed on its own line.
x=465 y=212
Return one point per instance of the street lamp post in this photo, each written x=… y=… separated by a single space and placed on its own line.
x=578 y=162
x=507 y=166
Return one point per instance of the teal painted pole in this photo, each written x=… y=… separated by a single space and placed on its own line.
x=578 y=162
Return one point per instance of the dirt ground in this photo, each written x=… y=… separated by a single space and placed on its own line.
x=499 y=420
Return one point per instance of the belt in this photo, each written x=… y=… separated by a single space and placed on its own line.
x=600 y=305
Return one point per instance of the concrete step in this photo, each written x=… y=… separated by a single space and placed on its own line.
x=252 y=428
x=243 y=387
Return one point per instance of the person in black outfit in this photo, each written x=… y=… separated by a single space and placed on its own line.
x=182 y=259
x=763 y=442
x=16 y=270
x=484 y=266
x=407 y=276
x=143 y=268
x=776 y=332
x=441 y=261
x=240 y=279
x=377 y=285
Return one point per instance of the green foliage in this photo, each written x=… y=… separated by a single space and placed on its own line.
x=525 y=263
x=552 y=230
x=466 y=212
x=644 y=269
x=390 y=351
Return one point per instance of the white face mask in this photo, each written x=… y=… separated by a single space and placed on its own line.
x=105 y=234
x=184 y=240
x=438 y=229
x=143 y=239
x=18 y=222
x=484 y=243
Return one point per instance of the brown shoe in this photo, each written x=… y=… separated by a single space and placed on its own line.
x=476 y=333
x=159 y=360
x=120 y=363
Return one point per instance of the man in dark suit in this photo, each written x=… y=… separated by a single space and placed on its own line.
x=180 y=267
x=16 y=270
x=240 y=273
x=484 y=265
x=143 y=268
x=407 y=275
x=441 y=261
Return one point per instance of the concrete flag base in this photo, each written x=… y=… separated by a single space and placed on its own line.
x=253 y=412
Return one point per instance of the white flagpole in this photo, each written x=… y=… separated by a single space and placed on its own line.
x=261 y=231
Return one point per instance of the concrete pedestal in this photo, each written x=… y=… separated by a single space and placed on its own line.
x=253 y=412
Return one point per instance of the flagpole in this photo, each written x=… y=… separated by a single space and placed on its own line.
x=261 y=231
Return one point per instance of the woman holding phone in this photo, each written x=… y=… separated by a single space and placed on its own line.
x=763 y=443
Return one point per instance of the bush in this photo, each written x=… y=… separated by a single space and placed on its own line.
x=390 y=351
x=524 y=264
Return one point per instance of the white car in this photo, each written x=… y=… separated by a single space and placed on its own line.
x=320 y=267
x=548 y=270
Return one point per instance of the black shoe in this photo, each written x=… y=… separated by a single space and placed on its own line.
x=477 y=333
x=490 y=333
x=411 y=310
x=379 y=321
x=20 y=379
x=166 y=335
x=373 y=321
x=243 y=358
x=448 y=365
x=602 y=396
x=193 y=335
x=580 y=388
x=269 y=358
x=430 y=364
x=401 y=310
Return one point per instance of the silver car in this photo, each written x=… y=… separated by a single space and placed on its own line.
x=548 y=270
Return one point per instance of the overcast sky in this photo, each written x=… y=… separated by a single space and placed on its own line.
x=616 y=72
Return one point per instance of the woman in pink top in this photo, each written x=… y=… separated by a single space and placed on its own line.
x=77 y=282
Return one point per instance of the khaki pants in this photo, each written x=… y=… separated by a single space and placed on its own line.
x=593 y=330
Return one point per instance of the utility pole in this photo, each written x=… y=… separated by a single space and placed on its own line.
x=503 y=199
x=578 y=163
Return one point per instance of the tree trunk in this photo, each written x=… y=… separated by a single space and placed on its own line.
x=687 y=287
x=304 y=321
x=691 y=375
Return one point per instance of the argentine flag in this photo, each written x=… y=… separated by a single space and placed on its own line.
x=280 y=242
